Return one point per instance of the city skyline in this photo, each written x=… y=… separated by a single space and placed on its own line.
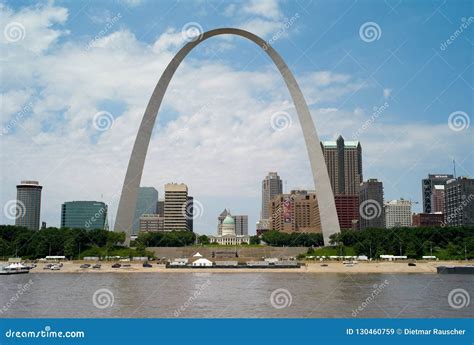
x=342 y=87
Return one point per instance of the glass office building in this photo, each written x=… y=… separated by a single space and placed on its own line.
x=87 y=215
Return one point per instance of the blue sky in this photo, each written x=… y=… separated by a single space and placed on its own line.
x=74 y=60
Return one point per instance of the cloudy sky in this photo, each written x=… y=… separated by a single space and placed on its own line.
x=76 y=77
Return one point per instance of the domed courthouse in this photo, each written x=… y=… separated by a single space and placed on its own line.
x=228 y=235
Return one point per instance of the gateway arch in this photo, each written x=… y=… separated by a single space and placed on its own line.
x=324 y=194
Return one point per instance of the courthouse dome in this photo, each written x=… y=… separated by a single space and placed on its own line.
x=229 y=220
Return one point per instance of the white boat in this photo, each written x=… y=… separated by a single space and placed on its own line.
x=15 y=268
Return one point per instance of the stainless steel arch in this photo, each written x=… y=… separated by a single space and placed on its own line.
x=128 y=199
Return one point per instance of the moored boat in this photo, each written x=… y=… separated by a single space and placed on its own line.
x=466 y=269
x=14 y=268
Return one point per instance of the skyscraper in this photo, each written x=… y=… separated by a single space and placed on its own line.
x=398 y=213
x=344 y=164
x=427 y=187
x=459 y=202
x=271 y=186
x=176 y=207
x=295 y=212
x=28 y=208
x=220 y=219
x=371 y=212
x=146 y=204
x=160 y=208
x=241 y=224
x=190 y=212
x=88 y=215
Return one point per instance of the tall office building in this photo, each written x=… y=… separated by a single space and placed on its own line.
x=371 y=211
x=295 y=212
x=241 y=225
x=160 y=208
x=146 y=204
x=176 y=207
x=459 y=202
x=271 y=186
x=428 y=186
x=437 y=199
x=151 y=223
x=190 y=213
x=28 y=210
x=88 y=215
x=397 y=213
x=344 y=164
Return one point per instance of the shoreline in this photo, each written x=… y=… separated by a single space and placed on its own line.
x=428 y=267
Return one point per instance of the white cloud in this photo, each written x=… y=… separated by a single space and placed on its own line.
x=264 y=8
x=34 y=25
x=387 y=93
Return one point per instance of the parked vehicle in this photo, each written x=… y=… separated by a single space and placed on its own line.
x=55 y=268
x=146 y=264
x=96 y=266
x=116 y=265
x=85 y=266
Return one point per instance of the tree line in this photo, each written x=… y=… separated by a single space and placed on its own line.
x=452 y=242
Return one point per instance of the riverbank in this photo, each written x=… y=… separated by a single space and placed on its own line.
x=332 y=267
